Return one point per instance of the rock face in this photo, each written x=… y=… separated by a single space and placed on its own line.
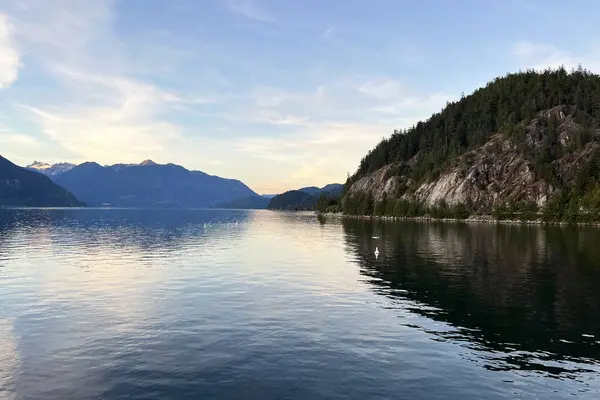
x=504 y=169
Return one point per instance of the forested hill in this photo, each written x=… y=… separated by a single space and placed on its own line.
x=544 y=120
x=501 y=106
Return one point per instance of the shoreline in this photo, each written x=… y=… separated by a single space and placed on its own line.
x=479 y=219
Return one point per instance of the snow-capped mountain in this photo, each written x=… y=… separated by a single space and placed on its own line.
x=144 y=163
x=51 y=170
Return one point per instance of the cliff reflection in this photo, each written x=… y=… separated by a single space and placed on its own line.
x=526 y=295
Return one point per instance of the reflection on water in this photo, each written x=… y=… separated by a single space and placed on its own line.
x=108 y=304
x=528 y=296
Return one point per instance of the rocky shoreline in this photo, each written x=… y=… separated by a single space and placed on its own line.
x=487 y=219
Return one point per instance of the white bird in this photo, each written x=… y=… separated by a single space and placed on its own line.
x=376 y=252
x=375 y=237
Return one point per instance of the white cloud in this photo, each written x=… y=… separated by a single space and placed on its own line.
x=122 y=124
x=9 y=56
x=318 y=154
x=249 y=9
x=318 y=136
x=100 y=113
x=382 y=88
x=540 y=56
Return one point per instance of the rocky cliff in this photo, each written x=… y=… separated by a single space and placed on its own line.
x=508 y=168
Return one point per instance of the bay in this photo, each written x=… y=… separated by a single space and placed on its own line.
x=169 y=304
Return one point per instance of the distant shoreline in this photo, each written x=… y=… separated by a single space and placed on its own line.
x=479 y=219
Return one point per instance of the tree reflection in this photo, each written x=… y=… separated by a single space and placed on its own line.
x=527 y=294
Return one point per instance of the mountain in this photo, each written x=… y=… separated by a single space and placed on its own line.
x=51 y=170
x=293 y=200
x=526 y=145
x=305 y=198
x=333 y=189
x=310 y=190
x=149 y=185
x=247 y=203
x=20 y=187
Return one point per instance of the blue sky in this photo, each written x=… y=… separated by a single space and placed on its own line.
x=277 y=93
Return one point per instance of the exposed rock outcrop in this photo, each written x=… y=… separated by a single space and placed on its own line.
x=507 y=168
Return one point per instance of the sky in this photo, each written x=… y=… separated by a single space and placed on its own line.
x=277 y=93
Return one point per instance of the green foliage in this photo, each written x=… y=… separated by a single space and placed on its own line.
x=504 y=105
x=328 y=204
x=522 y=210
x=443 y=210
x=358 y=204
x=461 y=211
x=401 y=208
x=380 y=207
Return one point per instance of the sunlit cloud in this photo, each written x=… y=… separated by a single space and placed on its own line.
x=9 y=55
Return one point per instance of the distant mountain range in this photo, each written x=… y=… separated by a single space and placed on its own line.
x=20 y=187
x=302 y=199
x=149 y=185
x=146 y=184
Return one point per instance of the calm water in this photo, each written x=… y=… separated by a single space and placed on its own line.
x=141 y=304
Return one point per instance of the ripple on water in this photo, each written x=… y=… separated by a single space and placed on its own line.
x=187 y=303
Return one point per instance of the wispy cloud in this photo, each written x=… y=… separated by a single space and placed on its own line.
x=100 y=113
x=109 y=95
x=541 y=56
x=382 y=88
x=9 y=56
x=17 y=139
x=122 y=122
x=249 y=9
x=319 y=153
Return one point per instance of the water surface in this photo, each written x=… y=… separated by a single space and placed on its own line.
x=149 y=304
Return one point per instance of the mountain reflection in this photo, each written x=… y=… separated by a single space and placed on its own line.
x=527 y=296
x=144 y=230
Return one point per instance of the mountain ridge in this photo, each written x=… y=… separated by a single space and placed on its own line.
x=149 y=184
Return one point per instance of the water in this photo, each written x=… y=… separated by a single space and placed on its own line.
x=146 y=304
